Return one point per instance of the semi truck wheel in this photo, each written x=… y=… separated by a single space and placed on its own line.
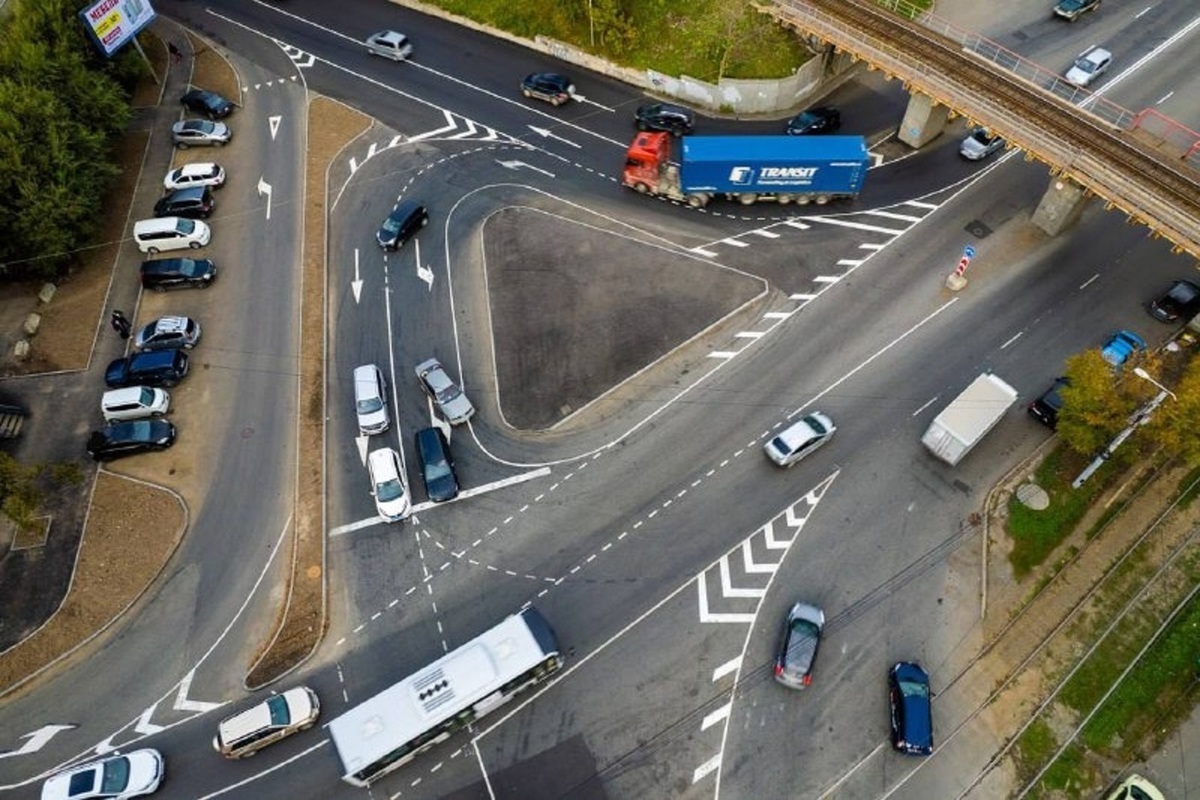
x=784 y=199
x=822 y=199
x=747 y=199
x=697 y=200
x=641 y=188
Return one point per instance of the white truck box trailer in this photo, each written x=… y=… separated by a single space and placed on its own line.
x=964 y=422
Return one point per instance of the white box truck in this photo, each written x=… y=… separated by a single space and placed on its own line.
x=965 y=421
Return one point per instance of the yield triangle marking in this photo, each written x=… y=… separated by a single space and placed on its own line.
x=750 y=566
x=707 y=616
x=181 y=699
x=772 y=542
x=727 y=584
x=144 y=725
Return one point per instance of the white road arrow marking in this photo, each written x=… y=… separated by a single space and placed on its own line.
x=181 y=699
x=424 y=273
x=273 y=122
x=144 y=725
x=548 y=135
x=265 y=188
x=37 y=740
x=361 y=441
x=105 y=747
x=356 y=284
x=520 y=164
x=581 y=99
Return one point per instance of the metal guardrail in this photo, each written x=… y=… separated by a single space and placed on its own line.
x=1141 y=136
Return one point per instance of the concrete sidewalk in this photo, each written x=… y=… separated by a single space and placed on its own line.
x=1175 y=768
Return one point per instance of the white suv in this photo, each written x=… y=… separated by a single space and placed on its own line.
x=370 y=400
x=275 y=718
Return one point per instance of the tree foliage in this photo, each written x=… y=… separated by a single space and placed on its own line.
x=62 y=106
x=1176 y=424
x=1096 y=406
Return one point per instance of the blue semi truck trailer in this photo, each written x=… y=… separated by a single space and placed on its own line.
x=747 y=169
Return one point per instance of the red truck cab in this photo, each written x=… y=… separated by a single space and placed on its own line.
x=645 y=160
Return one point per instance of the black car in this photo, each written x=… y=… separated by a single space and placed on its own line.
x=824 y=119
x=555 y=89
x=405 y=220
x=195 y=202
x=912 y=709
x=1181 y=300
x=437 y=467
x=673 y=119
x=176 y=273
x=799 y=645
x=1045 y=408
x=130 y=438
x=159 y=369
x=210 y=104
x=1071 y=10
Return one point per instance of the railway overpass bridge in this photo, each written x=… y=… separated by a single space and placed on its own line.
x=1142 y=164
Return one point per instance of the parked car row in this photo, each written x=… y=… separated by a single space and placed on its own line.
x=141 y=772
x=384 y=466
x=137 y=400
x=1118 y=348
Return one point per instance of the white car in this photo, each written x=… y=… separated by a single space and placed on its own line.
x=277 y=717
x=1135 y=787
x=980 y=144
x=114 y=778
x=200 y=174
x=801 y=438
x=389 y=44
x=1091 y=64
x=387 y=484
x=370 y=400
x=454 y=405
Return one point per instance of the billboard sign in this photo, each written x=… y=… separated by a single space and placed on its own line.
x=112 y=23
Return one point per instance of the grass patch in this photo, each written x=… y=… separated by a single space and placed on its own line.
x=1034 y=748
x=1068 y=775
x=1035 y=534
x=1065 y=777
x=1189 y=488
x=1154 y=696
x=705 y=39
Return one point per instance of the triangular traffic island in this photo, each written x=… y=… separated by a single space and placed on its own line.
x=577 y=309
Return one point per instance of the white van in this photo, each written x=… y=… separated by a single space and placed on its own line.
x=134 y=402
x=170 y=233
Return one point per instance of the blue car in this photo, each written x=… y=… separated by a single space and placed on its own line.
x=912 y=710
x=1121 y=346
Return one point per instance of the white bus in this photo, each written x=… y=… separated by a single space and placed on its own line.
x=393 y=727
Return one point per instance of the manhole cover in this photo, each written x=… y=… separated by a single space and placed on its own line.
x=978 y=229
x=1033 y=496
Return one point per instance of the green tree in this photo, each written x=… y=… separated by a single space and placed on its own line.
x=61 y=110
x=1096 y=406
x=1176 y=424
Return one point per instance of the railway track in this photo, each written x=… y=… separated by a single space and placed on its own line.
x=1107 y=161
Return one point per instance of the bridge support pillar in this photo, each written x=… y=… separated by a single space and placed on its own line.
x=1060 y=207
x=924 y=120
